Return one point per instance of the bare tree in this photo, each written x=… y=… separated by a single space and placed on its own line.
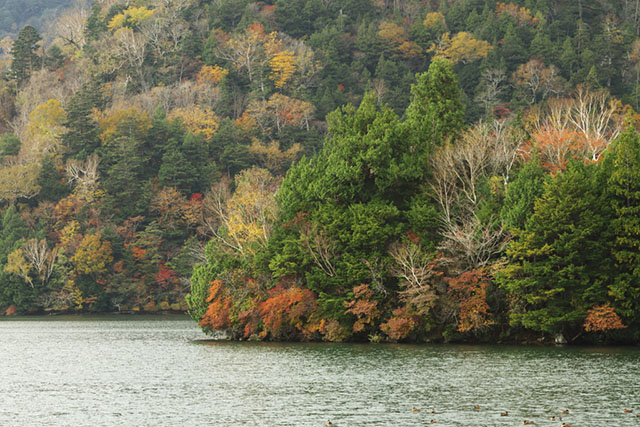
x=415 y=269
x=492 y=81
x=485 y=152
x=84 y=175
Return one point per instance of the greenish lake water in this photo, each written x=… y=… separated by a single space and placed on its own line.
x=161 y=371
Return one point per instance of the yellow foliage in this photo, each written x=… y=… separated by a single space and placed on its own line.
x=198 y=120
x=44 y=130
x=128 y=121
x=410 y=49
x=74 y=293
x=133 y=16
x=92 y=255
x=434 y=20
x=393 y=33
x=68 y=233
x=280 y=110
x=19 y=181
x=283 y=65
x=252 y=209
x=47 y=118
x=246 y=122
x=460 y=48
x=272 y=157
x=211 y=75
x=18 y=265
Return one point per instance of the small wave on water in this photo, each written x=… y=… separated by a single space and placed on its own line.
x=139 y=371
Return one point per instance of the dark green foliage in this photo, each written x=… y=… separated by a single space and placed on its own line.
x=559 y=263
x=52 y=182
x=624 y=186
x=525 y=189
x=9 y=145
x=436 y=114
x=25 y=59
x=82 y=137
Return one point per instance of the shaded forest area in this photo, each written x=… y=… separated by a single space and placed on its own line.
x=322 y=170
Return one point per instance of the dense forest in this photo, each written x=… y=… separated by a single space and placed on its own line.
x=406 y=170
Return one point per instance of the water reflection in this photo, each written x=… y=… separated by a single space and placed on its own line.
x=160 y=371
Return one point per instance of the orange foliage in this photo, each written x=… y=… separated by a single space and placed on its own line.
x=363 y=307
x=138 y=253
x=217 y=315
x=10 y=311
x=286 y=308
x=470 y=289
x=400 y=325
x=602 y=318
x=554 y=146
x=150 y=306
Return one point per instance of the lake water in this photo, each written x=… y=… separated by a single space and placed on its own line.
x=157 y=371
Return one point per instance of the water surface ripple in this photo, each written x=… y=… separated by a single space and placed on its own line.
x=158 y=371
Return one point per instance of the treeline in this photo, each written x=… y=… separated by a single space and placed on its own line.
x=424 y=229
x=143 y=131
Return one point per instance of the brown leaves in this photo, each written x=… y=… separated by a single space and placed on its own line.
x=363 y=307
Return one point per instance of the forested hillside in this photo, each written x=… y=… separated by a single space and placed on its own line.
x=15 y=14
x=329 y=170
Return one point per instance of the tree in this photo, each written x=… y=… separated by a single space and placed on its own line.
x=537 y=82
x=460 y=48
x=624 y=186
x=242 y=222
x=435 y=114
x=522 y=193
x=25 y=59
x=92 y=255
x=560 y=264
x=82 y=136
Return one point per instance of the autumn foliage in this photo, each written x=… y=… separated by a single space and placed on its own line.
x=217 y=315
x=286 y=311
x=602 y=318
x=364 y=307
x=470 y=290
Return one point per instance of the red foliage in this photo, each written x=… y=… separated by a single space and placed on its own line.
x=10 y=311
x=470 y=289
x=165 y=276
x=411 y=235
x=217 y=315
x=603 y=318
x=363 y=307
x=286 y=310
x=195 y=197
x=400 y=325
